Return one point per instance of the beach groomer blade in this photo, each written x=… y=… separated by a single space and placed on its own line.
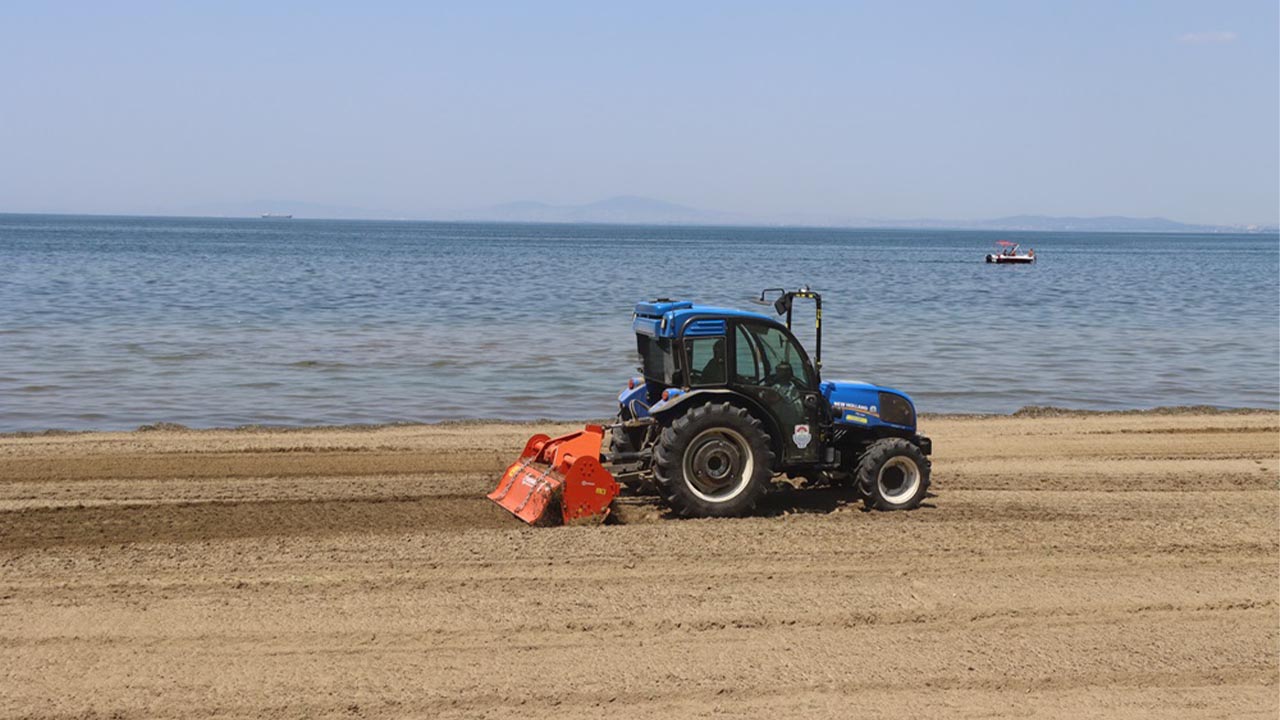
x=559 y=475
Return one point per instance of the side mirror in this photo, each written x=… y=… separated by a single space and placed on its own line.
x=781 y=304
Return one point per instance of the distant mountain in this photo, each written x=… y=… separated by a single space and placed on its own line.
x=1116 y=223
x=1109 y=223
x=1046 y=223
x=621 y=210
x=634 y=210
x=631 y=210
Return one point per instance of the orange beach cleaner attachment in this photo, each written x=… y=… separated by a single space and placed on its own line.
x=561 y=473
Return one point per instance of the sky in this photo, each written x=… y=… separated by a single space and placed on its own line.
x=777 y=110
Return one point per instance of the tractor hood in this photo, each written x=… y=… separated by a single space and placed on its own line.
x=864 y=405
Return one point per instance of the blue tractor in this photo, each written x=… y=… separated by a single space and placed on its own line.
x=726 y=400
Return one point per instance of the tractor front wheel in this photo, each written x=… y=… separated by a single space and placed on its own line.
x=714 y=461
x=892 y=475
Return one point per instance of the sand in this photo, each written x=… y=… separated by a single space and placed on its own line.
x=1072 y=566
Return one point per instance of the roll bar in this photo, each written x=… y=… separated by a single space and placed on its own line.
x=783 y=306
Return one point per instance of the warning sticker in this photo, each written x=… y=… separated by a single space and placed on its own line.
x=801 y=436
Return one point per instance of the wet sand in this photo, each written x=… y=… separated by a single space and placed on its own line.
x=1075 y=566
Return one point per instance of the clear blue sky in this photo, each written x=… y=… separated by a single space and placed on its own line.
x=889 y=109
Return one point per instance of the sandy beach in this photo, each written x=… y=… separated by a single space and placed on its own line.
x=1121 y=565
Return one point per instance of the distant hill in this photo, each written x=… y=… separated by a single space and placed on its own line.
x=1109 y=223
x=635 y=210
x=622 y=210
x=1046 y=223
x=631 y=210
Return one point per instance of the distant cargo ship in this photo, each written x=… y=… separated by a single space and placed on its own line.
x=277 y=216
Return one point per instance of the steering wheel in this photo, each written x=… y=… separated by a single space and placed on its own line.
x=793 y=382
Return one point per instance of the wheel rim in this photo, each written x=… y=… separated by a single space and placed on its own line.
x=899 y=479
x=718 y=465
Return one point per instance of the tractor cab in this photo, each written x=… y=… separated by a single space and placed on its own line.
x=689 y=350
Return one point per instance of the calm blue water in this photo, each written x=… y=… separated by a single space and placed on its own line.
x=114 y=322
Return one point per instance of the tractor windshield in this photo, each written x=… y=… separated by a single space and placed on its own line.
x=657 y=360
x=765 y=352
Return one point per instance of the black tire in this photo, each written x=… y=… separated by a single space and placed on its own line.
x=713 y=461
x=893 y=475
x=619 y=441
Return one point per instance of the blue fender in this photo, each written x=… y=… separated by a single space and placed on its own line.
x=678 y=401
x=634 y=400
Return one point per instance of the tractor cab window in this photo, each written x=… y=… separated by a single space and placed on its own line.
x=706 y=361
x=747 y=366
x=766 y=355
x=657 y=361
x=771 y=368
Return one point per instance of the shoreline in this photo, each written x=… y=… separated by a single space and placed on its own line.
x=1027 y=411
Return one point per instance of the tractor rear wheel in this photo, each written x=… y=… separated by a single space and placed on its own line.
x=713 y=461
x=892 y=474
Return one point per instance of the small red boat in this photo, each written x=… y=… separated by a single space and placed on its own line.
x=1008 y=253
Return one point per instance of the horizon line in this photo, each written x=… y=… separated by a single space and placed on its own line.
x=1195 y=229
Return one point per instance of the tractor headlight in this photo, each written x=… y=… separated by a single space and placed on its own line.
x=897 y=410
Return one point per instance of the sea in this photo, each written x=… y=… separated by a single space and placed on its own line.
x=116 y=322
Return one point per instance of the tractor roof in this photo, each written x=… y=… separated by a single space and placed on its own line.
x=673 y=318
